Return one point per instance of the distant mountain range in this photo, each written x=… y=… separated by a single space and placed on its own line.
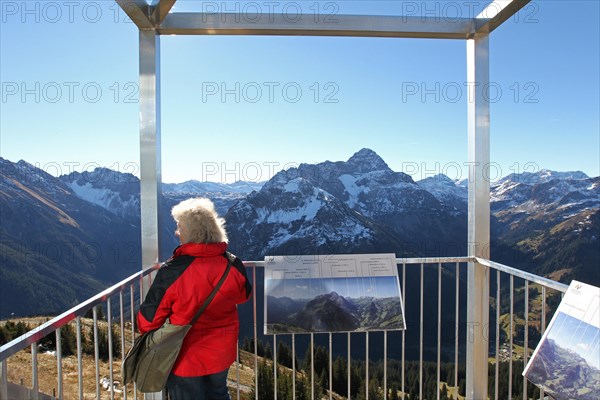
x=564 y=374
x=63 y=239
x=331 y=312
x=546 y=222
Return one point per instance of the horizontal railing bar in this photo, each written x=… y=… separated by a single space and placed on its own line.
x=414 y=260
x=434 y=260
x=203 y=23
x=561 y=287
x=41 y=331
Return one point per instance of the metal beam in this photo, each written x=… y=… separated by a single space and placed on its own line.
x=138 y=11
x=478 y=76
x=160 y=10
x=150 y=148
x=496 y=13
x=339 y=25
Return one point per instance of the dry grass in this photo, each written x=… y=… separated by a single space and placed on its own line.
x=20 y=369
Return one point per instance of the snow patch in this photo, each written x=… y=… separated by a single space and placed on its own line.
x=352 y=189
x=307 y=211
x=104 y=198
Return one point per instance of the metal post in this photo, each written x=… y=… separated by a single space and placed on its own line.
x=275 y=367
x=79 y=359
x=385 y=388
x=439 y=330
x=312 y=366
x=511 y=328
x=526 y=336
x=96 y=351
x=331 y=366
x=110 y=347
x=456 y=325
x=255 y=328
x=59 y=373
x=349 y=369
x=4 y=380
x=367 y=365
x=122 y=320
x=478 y=215
x=421 y=337
x=150 y=147
x=35 y=393
x=404 y=330
x=293 y=367
x=150 y=155
x=497 y=368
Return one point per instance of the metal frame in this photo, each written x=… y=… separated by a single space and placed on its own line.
x=154 y=20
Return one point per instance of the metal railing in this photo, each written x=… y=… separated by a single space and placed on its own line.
x=439 y=335
x=34 y=336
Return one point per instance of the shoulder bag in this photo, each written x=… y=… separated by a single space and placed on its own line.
x=151 y=358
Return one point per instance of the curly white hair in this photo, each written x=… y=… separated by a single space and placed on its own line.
x=198 y=222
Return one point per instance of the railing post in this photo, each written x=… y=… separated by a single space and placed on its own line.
x=478 y=215
x=4 y=380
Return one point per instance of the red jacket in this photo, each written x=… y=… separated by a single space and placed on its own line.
x=179 y=289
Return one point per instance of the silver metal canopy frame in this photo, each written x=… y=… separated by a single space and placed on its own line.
x=155 y=19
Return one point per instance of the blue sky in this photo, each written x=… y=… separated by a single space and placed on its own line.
x=577 y=336
x=69 y=72
x=380 y=286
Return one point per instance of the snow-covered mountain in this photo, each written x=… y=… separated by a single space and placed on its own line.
x=543 y=222
x=296 y=217
x=451 y=194
x=84 y=226
x=116 y=192
x=343 y=205
x=427 y=217
x=193 y=186
x=48 y=233
x=532 y=192
x=542 y=176
x=552 y=219
x=526 y=209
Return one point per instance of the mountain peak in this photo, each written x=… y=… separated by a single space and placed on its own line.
x=366 y=160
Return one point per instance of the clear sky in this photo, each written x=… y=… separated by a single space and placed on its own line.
x=244 y=107
x=575 y=335
x=375 y=286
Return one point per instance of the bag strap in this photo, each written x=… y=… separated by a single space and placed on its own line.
x=213 y=293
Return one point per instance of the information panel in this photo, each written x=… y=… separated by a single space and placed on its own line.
x=332 y=293
x=566 y=362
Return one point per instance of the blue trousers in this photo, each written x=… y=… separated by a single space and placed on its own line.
x=208 y=387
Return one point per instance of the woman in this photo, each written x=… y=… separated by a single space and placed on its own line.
x=178 y=291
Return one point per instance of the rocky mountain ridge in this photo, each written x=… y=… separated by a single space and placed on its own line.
x=86 y=225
